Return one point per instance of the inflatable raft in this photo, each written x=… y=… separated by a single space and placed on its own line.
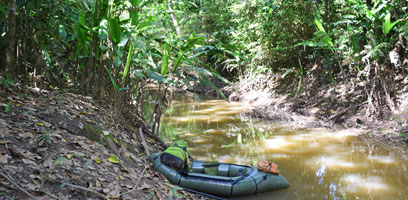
x=230 y=179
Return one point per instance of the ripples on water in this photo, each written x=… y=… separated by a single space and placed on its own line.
x=318 y=163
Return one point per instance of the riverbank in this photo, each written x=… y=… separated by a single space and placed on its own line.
x=59 y=145
x=320 y=103
x=323 y=104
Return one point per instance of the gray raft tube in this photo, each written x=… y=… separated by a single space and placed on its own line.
x=231 y=179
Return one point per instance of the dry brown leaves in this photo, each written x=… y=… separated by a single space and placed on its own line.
x=43 y=154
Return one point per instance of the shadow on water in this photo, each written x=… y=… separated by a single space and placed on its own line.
x=318 y=163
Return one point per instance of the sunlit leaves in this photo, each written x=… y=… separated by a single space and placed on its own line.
x=113 y=159
x=387 y=25
x=319 y=25
x=165 y=59
x=103 y=29
x=61 y=30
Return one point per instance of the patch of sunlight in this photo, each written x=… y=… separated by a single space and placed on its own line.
x=324 y=134
x=212 y=102
x=214 y=131
x=278 y=156
x=206 y=111
x=355 y=183
x=313 y=145
x=226 y=159
x=231 y=112
x=221 y=119
x=191 y=119
x=346 y=133
x=187 y=134
x=382 y=159
x=199 y=141
x=202 y=158
x=334 y=149
x=333 y=162
x=279 y=143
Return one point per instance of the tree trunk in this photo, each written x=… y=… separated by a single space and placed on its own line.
x=11 y=35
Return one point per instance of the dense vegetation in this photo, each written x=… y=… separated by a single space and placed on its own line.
x=109 y=48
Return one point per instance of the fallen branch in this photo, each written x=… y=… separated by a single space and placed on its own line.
x=148 y=132
x=79 y=187
x=137 y=183
x=15 y=184
x=86 y=189
x=144 y=142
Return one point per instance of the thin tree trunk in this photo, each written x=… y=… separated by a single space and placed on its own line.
x=11 y=34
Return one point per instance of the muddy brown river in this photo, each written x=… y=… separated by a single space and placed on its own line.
x=318 y=163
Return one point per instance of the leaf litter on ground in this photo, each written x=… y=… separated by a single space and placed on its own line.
x=46 y=154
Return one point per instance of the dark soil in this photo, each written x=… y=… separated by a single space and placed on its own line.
x=59 y=145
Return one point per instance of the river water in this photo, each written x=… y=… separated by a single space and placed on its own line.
x=318 y=163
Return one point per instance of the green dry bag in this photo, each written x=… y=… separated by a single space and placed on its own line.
x=176 y=155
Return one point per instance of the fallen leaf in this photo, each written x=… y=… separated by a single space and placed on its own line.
x=97 y=183
x=87 y=164
x=41 y=149
x=97 y=160
x=144 y=186
x=59 y=161
x=105 y=190
x=47 y=161
x=3 y=159
x=29 y=162
x=113 y=159
x=79 y=154
x=69 y=156
x=40 y=124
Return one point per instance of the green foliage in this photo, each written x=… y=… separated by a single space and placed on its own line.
x=6 y=81
x=7 y=109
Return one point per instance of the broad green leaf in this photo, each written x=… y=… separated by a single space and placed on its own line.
x=82 y=19
x=154 y=76
x=138 y=73
x=387 y=25
x=113 y=159
x=117 y=61
x=62 y=32
x=165 y=59
x=127 y=67
x=123 y=42
x=114 y=29
x=180 y=55
x=319 y=25
x=134 y=15
x=103 y=29
x=103 y=48
x=115 y=86
x=146 y=23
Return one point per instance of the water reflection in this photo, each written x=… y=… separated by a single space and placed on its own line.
x=319 y=163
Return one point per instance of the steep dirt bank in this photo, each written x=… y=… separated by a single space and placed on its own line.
x=59 y=145
x=323 y=104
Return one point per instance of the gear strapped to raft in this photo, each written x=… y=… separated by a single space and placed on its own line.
x=176 y=156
